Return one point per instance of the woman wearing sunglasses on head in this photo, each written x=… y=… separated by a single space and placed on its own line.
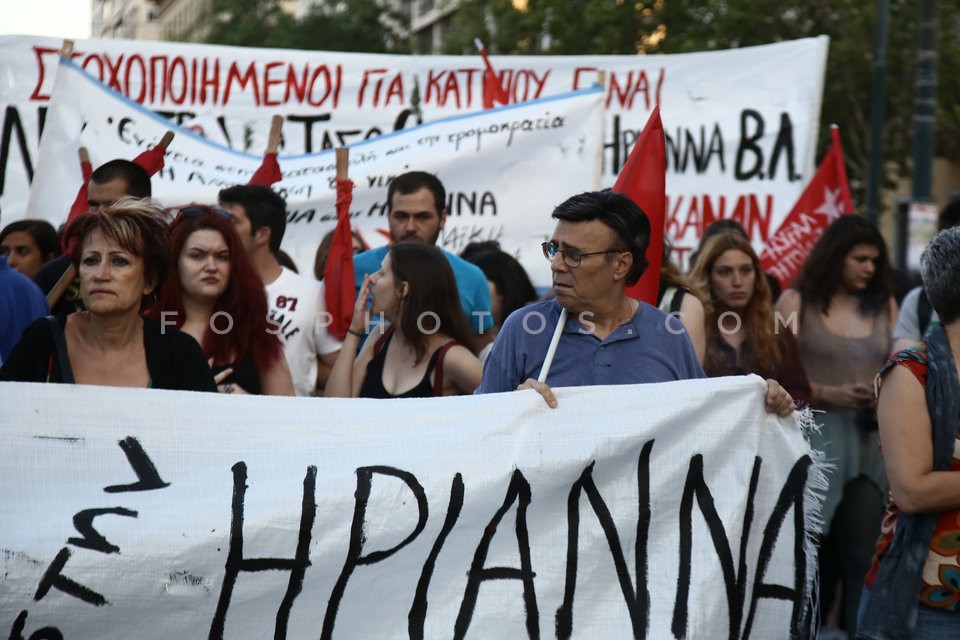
x=215 y=295
x=122 y=254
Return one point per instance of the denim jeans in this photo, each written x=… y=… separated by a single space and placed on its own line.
x=932 y=624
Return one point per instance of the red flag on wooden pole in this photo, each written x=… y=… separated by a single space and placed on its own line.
x=493 y=91
x=150 y=160
x=643 y=179
x=86 y=169
x=825 y=199
x=269 y=170
x=338 y=275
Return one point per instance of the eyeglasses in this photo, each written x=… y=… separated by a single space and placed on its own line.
x=571 y=257
x=195 y=212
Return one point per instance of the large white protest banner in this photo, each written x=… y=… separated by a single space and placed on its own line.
x=741 y=124
x=678 y=510
x=504 y=169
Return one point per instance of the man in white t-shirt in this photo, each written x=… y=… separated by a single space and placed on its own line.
x=298 y=310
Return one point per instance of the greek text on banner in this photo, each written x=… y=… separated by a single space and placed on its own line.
x=649 y=511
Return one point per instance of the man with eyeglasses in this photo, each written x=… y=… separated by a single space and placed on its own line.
x=597 y=250
x=108 y=183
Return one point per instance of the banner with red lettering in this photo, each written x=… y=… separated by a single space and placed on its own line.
x=825 y=199
x=740 y=124
x=503 y=168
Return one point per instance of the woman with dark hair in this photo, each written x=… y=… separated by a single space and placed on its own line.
x=913 y=587
x=424 y=353
x=28 y=245
x=741 y=336
x=122 y=254
x=215 y=295
x=842 y=311
x=679 y=296
x=510 y=288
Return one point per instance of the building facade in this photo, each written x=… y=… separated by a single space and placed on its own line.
x=126 y=19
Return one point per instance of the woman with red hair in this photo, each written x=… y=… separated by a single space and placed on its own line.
x=215 y=295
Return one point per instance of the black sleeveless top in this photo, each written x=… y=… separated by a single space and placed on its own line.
x=372 y=386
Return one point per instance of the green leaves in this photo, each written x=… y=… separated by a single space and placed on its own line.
x=331 y=25
x=580 y=27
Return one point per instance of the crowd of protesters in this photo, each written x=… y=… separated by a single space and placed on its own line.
x=198 y=298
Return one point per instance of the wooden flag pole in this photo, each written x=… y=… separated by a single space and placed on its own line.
x=343 y=160
x=55 y=293
x=276 y=128
x=165 y=140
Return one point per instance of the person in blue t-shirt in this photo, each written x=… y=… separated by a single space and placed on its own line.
x=597 y=250
x=416 y=202
x=21 y=302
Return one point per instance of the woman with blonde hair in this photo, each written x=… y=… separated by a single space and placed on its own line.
x=742 y=336
x=122 y=254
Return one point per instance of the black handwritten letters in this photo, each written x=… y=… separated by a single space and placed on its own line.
x=148 y=479
x=595 y=529
x=634 y=581
x=236 y=562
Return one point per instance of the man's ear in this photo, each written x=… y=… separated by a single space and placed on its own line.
x=261 y=236
x=443 y=217
x=622 y=264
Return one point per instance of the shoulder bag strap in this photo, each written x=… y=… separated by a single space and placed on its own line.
x=438 y=370
x=382 y=340
x=61 y=347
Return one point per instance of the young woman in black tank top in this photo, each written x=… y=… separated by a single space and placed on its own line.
x=428 y=349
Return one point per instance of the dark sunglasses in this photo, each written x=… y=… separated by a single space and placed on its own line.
x=190 y=213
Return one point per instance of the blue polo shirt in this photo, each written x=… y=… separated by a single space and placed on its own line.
x=651 y=347
x=471 y=284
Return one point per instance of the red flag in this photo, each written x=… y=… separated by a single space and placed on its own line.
x=825 y=199
x=152 y=159
x=80 y=203
x=643 y=179
x=493 y=90
x=338 y=276
x=268 y=172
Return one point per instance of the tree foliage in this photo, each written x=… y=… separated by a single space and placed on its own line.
x=670 y=26
x=330 y=25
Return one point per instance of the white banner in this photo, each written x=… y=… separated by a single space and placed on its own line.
x=741 y=124
x=503 y=168
x=152 y=514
